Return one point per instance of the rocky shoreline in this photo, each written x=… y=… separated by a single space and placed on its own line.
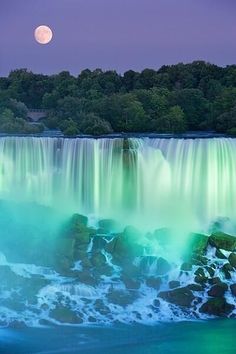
x=96 y=275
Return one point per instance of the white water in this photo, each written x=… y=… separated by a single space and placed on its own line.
x=160 y=182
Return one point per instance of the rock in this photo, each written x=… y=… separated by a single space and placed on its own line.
x=121 y=298
x=217 y=306
x=200 y=276
x=232 y=259
x=125 y=246
x=233 y=289
x=210 y=271
x=64 y=315
x=174 y=284
x=223 y=241
x=98 y=260
x=186 y=267
x=107 y=225
x=195 y=287
x=162 y=236
x=214 y=281
x=156 y=303
x=218 y=290
x=78 y=219
x=154 y=283
x=100 y=307
x=198 y=259
x=219 y=254
x=163 y=267
x=181 y=296
x=226 y=269
x=198 y=243
x=131 y=284
x=86 y=278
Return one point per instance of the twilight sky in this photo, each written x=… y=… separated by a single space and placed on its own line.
x=116 y=34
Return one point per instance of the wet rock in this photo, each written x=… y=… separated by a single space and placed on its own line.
x=86 y=278
x=232 y=259
x=107 y=225
x=226 y=269
x=174 y=284
x=186 y=267
x=154 y=283
x=233 y=289
x=98 y=260
x=130 y=284
x=181 y=296
x=163 y=267
x=223 y=241
x=195 y=287
x=198 y=259
x=64 y=315
x=198 y=243
x=220 y=254
x=125 y=246
x=210 y=271
x=100 y=307
x=78 y=219
x=156 y=303
x=162 y=236
x=200 y=276
x=121 y=298
x=214 y=281
x=218 y=290
x=217 y=307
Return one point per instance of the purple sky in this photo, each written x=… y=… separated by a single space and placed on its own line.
x=116 y=34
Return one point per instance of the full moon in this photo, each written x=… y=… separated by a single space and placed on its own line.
x=43 y=34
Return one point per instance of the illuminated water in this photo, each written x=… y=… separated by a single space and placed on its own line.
x=157 y=182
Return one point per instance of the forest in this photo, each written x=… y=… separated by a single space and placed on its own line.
x=174 y=99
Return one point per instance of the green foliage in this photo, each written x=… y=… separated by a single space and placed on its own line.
x=94 y=125
x=176 y=98
x=11 y=124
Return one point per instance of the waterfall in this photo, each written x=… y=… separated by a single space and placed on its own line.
x=148 y=182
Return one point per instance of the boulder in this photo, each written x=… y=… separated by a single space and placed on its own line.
x=130 y=283
x=180 y=296
x=226 y=269
x=107 y=225
x=195 y=287
x=218 y=290
x=233 y=289
x=232 y=259
x=223 y=241
x=198 y=243
x=121 y=298
x=220 y=254
x=174 y=284
x=163 y=267
x=217 y=307
x=78 y=219
x=210 y=271
x=186 y=267
x=154 y=283
x=98 y=260
x=200 y=276
x=125 y=245
x=64 y=315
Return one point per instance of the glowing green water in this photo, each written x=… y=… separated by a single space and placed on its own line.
x=157 y=183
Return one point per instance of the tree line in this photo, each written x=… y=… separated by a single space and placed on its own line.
x=174 y=99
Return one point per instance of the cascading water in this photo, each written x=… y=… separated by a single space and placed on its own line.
x=87 y=273
x=153 y=183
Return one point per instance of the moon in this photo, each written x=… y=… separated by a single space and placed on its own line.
x=43 y=34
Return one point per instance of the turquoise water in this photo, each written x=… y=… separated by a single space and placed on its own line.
x=211 y=337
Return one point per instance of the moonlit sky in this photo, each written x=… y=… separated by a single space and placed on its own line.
x=116 y=34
